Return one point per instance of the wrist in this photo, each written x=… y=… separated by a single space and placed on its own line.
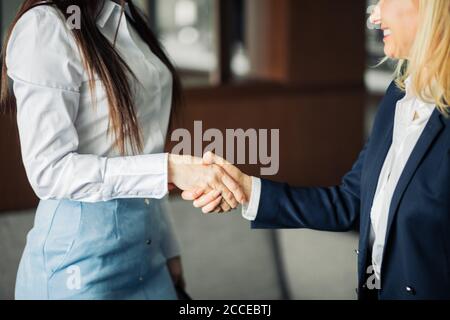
x=247 y=184
x=171 y=167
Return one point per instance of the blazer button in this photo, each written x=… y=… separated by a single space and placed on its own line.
x=147 y=202
x=149 y=242
x=410 y=290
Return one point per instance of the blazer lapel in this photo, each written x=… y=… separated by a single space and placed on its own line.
x=429 y=134
x=372 y=181
x=375 y=170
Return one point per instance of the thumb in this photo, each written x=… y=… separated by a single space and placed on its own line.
x=211 y=158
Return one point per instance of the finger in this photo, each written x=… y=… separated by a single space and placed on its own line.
x=228 y=196
x=188 y=195
x=235 y=189
x=211 y=206
x=207 y=199
x=192 y=195
x=211 y=158
x=208 y=158
x=225 y=206
x=218 y=210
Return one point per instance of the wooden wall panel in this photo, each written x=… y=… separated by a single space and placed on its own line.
x=308 y=42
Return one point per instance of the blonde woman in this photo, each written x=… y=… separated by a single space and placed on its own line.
x=398 y=192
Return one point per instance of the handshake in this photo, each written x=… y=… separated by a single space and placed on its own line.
x=212 y=183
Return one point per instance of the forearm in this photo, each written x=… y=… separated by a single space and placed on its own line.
x=319 y=208
x=92 y=178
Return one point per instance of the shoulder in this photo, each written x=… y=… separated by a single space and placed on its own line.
x=41 y=45
x=40 y=25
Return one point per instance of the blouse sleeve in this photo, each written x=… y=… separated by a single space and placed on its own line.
x=44 y=63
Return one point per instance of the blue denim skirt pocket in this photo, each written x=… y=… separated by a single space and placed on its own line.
x=62 y=235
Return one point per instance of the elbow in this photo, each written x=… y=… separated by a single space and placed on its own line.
x=57 y=183
x=51 y=177
x=43 y=181
x=42 y=187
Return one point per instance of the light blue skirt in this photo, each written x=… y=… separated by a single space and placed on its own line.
x=105 y=250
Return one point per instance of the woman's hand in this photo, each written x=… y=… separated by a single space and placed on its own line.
x=176 y=272
x=235 y=180
x=193 y=175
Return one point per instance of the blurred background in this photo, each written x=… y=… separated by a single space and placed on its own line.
x=305 y=67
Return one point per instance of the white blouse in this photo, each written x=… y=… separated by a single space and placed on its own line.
x=65 y=148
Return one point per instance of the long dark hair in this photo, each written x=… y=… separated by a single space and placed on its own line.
x=100 y=58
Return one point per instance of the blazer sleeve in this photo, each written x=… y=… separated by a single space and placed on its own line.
x=334 y=208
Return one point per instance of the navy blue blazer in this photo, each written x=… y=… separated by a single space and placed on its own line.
x=416 y=260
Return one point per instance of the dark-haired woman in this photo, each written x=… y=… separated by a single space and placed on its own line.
x=93 y=107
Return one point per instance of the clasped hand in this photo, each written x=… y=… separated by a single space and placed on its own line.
x=212 y=183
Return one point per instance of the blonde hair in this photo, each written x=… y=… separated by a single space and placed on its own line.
x=428 y=63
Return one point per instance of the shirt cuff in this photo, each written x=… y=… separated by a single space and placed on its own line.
x=250 y=210
x=142 y=176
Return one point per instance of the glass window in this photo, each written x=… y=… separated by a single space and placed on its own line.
x=189 y=31
x=240 y=64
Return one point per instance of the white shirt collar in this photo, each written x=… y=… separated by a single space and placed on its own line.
x=423 y=109
x=408 y=87
x=107 y=11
